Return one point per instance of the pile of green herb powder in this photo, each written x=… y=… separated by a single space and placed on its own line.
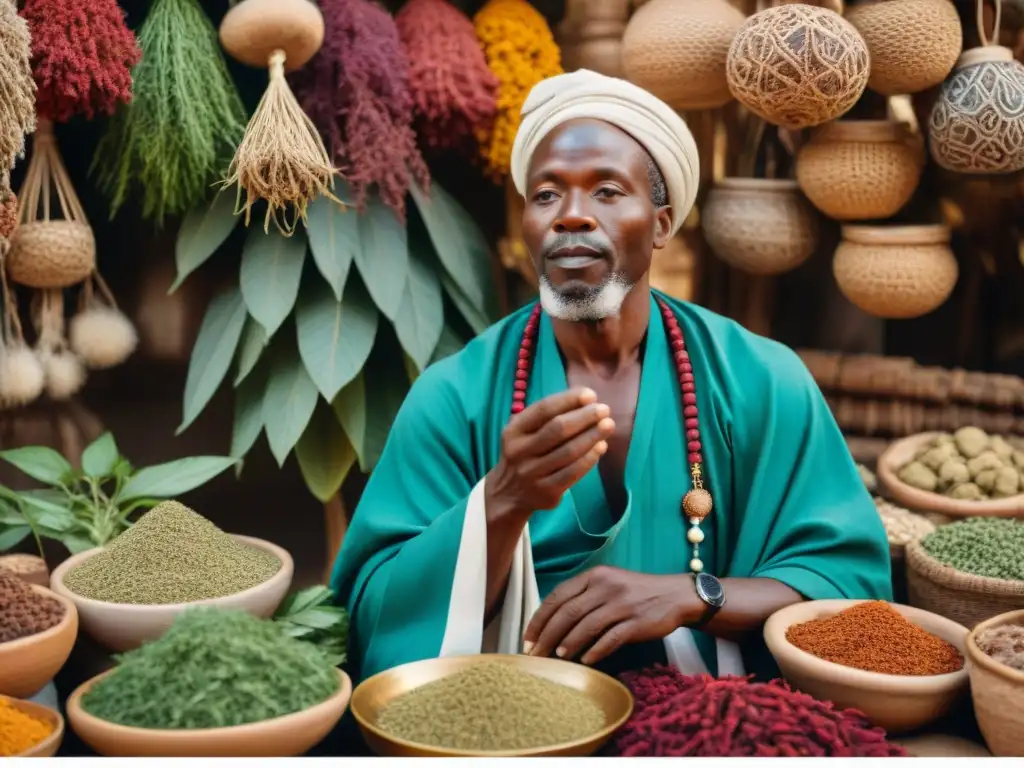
x=982 y=546
x=212 y=669
x=491 y=707
x=171 y=555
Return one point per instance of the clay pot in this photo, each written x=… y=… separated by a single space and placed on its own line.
x=895 y=272
x=854 y=170
x=677 y=50
x=590 y=35
x=977 y=124
x=51 y=254
x=760 y=226
x=914 y=44
x=798 y=66
x=252 y=30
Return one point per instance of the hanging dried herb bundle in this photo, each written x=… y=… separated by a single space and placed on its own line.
x=17 y=89
x=521 y=52
x=356 y=89
x=455 y=95
x=82 y=57
x=8 y=208
x=179 y=133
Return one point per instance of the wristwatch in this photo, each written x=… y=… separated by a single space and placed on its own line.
x=711 y=592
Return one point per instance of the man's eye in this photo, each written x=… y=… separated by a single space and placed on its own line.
x=544 y=196
x=608 y=192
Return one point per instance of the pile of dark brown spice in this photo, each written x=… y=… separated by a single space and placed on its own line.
x=23 y=611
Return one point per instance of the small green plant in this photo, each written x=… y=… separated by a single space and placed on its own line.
x=88 y=507
x=312 y=616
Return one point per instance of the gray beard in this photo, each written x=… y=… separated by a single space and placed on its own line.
x=598 y=303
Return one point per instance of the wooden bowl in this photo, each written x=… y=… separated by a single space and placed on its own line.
x=29 y=663
x=47 y=747
x=897 y=703
x=997 y=692
x=123 y=627
x=902 y=451
x=288 y=736
x=373 y=694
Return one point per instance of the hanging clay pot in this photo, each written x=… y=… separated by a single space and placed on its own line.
x=854 y=170
x=914 y=44
x=895 y=272
x=759 y=226
x=590 y=35
x=798 y=66
x=677 y=50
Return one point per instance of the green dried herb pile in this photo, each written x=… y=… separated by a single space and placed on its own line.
x=983 y=546
x=491 y=707
x=213 y=669
x=171 y=555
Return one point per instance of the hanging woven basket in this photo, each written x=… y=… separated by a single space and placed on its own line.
x=895 y=272
x=914 y=44
x=677 y=49
x=855 y=170
x=798 y=66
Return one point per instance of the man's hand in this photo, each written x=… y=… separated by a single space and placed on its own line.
x=545 y=450
x=602 y=609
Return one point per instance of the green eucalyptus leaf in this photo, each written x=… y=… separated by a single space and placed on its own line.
x=254 y=341
x=99 y=458
x=335 y=338
x=39 y=462
x=420 y=317
x=288 y=402
x=248 y=421
x=174 y=478
x=270 y=275
x=350 y=410
x=476 y=319
x=12 y=536
x=383 y=256
x=204 y=230
x=212 y=354
x=324 y=454
x=334 y=241
x=449 y=343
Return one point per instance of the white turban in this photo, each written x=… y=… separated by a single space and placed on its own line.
x=645 y=117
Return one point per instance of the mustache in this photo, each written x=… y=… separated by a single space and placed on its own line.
x=593 y=241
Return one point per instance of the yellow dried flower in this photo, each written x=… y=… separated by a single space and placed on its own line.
x=520 y=51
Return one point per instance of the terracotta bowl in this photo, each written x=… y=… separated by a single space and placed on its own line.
x=902 y=451
x=897 y=703
x=998 y=693
x=47 y=747
x=289 y=736
x=27 y=664
x=122 y=627
x=373 y=694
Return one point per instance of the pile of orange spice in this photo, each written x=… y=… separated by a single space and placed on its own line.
x=875 y=637
x=19 y=731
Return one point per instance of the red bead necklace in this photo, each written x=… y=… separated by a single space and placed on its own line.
x=696 y=504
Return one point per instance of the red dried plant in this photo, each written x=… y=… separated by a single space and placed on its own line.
x=82 y=57
x=677 y=715
x=454 y=91
x=356 y=91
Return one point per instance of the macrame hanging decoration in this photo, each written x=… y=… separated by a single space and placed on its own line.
x=281 y=158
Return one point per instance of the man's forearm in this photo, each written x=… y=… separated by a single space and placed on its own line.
x=748 y=604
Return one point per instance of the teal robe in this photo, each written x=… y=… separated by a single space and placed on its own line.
x=788 y=501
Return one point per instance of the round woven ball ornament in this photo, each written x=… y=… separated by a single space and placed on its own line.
x=676 y=49
x=914 y=44
x=797 y=65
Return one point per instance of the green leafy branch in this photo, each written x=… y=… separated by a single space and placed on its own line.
x=311 y=615
x=322 y=350
x=88 y=507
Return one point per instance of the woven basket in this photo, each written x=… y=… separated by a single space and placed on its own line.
x=859 y=169
x=895 y=271
x=51 y=254
x=676 y=49
x=798 y=66
x=963 y=597
x=914 y=44
x=760 y=226
x=977 y=124
x=997 y=692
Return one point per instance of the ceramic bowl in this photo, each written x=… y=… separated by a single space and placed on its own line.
x=373 y=694
x=998 y=692
x=897 y=703
x=902 y=451
x=29 y=663
x=288 y=736
x=123 y=627
x=47 y=747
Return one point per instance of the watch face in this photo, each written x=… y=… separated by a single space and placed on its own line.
x=710 y=590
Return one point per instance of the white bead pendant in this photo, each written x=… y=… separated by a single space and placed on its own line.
x=695 y=536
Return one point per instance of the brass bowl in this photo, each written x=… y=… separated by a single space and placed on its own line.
x=373 y=694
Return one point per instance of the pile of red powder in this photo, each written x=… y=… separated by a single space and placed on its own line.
x=680 y=716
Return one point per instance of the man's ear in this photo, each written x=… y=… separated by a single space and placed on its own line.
x=662 y=226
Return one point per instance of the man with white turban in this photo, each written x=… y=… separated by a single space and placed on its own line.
x=609 y=475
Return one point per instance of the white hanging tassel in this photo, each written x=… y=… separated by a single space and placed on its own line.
x=100 y=334
x=22 y=378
